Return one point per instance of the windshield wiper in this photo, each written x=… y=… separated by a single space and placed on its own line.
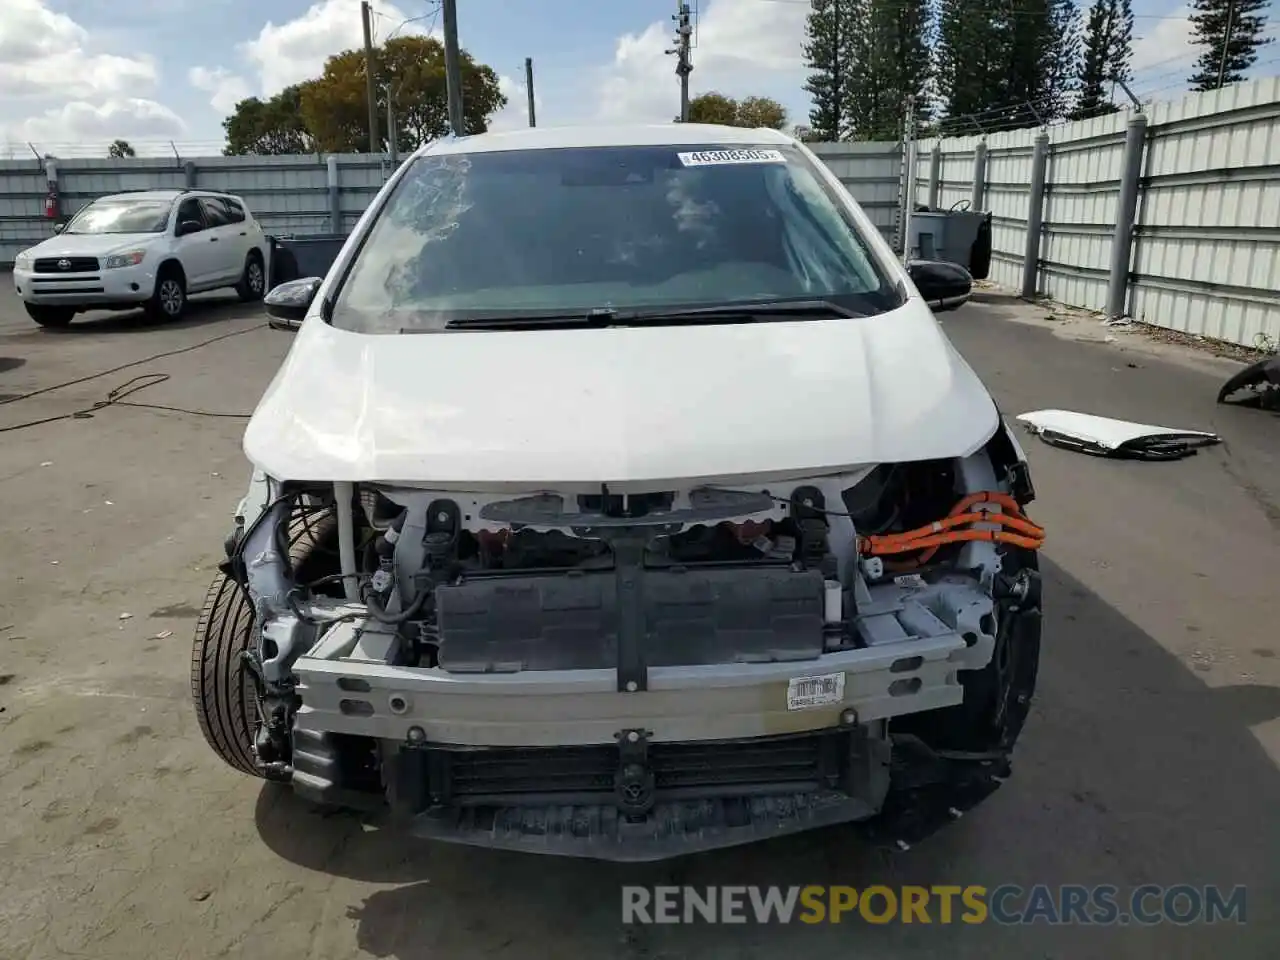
x=610 y=317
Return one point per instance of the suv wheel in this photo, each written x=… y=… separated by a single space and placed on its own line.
x=253 y=281
x=50 y=316
x=169 y=301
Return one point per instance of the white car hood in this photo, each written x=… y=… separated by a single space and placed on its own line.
x=90 y=244
x=631 y=407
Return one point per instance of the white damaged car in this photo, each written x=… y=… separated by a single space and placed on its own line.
x=621 y=497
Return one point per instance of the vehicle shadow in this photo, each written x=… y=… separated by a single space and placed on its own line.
x=201 y=310
x=1131 y=770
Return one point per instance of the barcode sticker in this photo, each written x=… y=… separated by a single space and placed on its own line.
x=710 y=158
x=805 y=692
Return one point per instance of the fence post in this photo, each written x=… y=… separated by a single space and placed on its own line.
x=189 y=174
x=335 y=195
x=935 y=176
x=1135 y=139
x=979 y=194
x=1035 y=217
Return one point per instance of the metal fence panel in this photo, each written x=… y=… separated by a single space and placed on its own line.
x=1205 y=257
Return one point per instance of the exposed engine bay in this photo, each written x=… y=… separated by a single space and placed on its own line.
x=708 y=663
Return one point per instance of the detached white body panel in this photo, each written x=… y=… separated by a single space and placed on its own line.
x=1105 y=432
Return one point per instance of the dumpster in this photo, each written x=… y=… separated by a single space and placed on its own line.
x=307 y=256
x=953 y=236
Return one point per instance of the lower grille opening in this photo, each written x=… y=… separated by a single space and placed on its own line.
x=681 y=771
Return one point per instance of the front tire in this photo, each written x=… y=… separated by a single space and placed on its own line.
x=222 y=687
x=169 y=301
x=51 y=317
x=253 y=281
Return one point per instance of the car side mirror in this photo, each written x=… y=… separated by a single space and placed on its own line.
x=189 y=226
x=943 y=285
x=288 y=303
x=59 y=227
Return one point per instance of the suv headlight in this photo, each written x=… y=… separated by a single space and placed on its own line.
x=129 y=259
x=22 y=259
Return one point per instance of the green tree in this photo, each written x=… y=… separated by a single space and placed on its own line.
x=826 y=54
x=120 y=149
x=335 y=108
x=761 y=112
x=1229 y=34
x=272 y=126
x=715 y=107
x=970 y=59
x=1106 y=53
x=1012 y=65
x=330 y=113
x=889 y=61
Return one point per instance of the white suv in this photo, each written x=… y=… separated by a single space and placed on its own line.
x=146 y=249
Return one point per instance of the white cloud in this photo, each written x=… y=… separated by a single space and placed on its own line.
x=1166 y=47
x=516 y=113
x=743 y=47
x=297 y=49
x=62 y=91
x=226 y=89
x=80 y=122
x=47 y=56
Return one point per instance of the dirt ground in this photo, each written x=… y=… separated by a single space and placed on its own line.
x=1151 y=755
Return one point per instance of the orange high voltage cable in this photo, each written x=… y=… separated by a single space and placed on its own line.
x=1020 y=532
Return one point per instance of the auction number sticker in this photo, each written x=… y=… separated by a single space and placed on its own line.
x=805 y=692
x=711 y=158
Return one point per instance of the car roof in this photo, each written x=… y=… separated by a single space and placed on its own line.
x=629 y=135
x=164 y=194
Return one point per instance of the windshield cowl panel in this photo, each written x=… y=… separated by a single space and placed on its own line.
x=622 y=231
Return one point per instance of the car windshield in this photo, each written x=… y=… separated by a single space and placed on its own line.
x=122 y=216
x=637 y=228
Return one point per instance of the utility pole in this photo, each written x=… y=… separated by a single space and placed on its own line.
x=528 y=86
x=366 y=16
x=392 y=147
x=1226 y=43
x=452 y=67
x=908 y=176
x=683 y=66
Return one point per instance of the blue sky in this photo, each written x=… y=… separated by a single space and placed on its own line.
x=76 y=73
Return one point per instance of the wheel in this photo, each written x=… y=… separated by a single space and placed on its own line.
x=169 y=301
x=253 y=281
x=997 y=698
x=222 y=687
x=50 y=316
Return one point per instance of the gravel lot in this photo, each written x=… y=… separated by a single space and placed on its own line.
x=1151 y=755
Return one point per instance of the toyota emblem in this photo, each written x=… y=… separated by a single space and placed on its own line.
x=64 y=264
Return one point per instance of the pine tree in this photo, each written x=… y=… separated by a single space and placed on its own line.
x=1105 y=58
x=1043 y=47
x=825 y=58
x=1231 y=26
x=970 y=61
x=890 y=63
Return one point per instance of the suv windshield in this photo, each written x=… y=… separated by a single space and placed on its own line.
x=112 y=215
x=538 y=232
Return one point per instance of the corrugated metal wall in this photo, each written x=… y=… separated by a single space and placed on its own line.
x=872 y=173
x=1207 y=247
x=1206 y=252
x=289 y=195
